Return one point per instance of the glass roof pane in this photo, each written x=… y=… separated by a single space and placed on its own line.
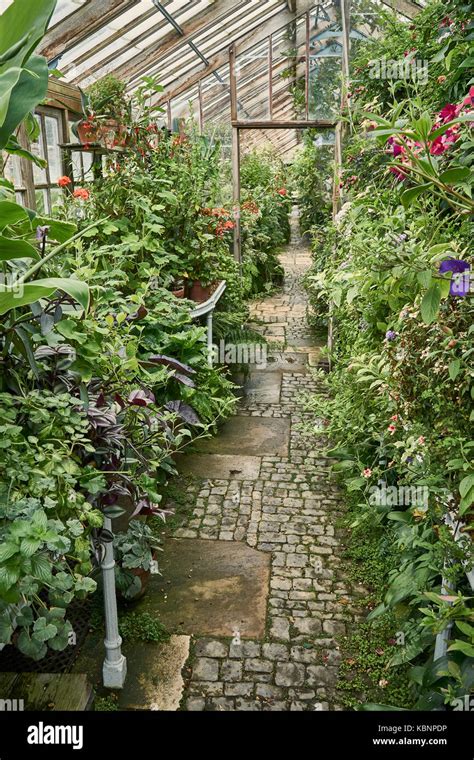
x=64 y=8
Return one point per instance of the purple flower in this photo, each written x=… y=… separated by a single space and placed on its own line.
x=460 y=280
x=41 y=233
x=390 y=335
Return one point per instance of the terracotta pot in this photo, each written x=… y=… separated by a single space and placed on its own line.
x=113 y=134
x=199 y=293
x=179 y=292
x=144 y=576
x=89 y=132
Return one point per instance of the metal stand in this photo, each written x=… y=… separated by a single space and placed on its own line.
x=114 y=669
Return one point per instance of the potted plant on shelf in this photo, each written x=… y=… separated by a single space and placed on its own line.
x=208 y=252
x=135 y=551
x=107 y=113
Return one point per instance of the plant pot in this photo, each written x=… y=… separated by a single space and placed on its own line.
x=178 y=292
x=113 y=134
x=198 y=292
x=144 y=576
x=89 y=132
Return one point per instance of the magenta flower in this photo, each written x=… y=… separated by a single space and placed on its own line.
x=469 y=99
x=448 y=112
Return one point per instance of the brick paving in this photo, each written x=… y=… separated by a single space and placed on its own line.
x=290 y=510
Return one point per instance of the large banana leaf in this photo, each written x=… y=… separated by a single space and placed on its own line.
x=23 y=76
x=12 y=297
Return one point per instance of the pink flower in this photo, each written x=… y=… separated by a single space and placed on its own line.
x=367 y=473
x=437 y=147
x=469 y=99
x=282 y=191
x=398 y=150
x=391 y=429
x=421 y=440
x=64 y=181
x=400 y=174
x=394 y=417
x=448 y=112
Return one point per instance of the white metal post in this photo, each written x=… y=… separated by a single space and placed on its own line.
x=114 y=669
x=209 y=338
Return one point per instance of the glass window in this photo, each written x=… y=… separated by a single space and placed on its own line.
x=47 y=146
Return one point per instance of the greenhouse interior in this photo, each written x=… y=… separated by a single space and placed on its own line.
x=236 y=455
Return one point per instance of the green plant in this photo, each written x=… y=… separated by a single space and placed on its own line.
x=398 y=411
x=141 y=626
x=134 y=550
x=106 y=98
x=105 y=704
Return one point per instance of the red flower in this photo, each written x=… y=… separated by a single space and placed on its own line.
x=64 y=181
x=282 y=191
x=81 y=193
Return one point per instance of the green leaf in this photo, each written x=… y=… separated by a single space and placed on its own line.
x=29 y=292
x=29 y=90
x=431 y=303
x=16 y=249
x=454 y=368
x=455 y=176
x=424 y=278
x=31 y=647
x=410 y=195
x=11 y=213
x=41 y=568
x=58 y=231
x=29 y=546
x=466 y=484
x=7 y=550
x=462 y=646
x=465 y=628
x=8 y=81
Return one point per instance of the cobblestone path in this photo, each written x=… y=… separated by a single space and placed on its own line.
x=290 y=510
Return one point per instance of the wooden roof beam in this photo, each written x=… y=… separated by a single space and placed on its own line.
x=89 y=18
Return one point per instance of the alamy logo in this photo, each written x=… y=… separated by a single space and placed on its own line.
x=398 y=496
x=42 y=734
x=463 y=704
x=12 y=705
x=405 y=68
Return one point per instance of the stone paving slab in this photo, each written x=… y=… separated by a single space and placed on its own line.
x=209 y=588
x=154 y=671
x=221 y=466
x=263 y=387
x=284 y=361
x=253 y=437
